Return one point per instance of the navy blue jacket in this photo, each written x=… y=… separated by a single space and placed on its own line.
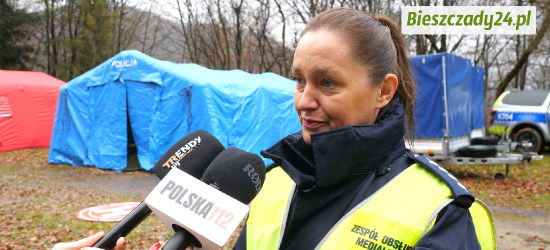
x=343 y=167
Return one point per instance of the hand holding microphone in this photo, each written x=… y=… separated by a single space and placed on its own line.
x=86 y=243
x=235 y=172
x=192 y=154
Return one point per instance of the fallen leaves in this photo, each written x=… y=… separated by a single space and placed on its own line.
x=37 y=207
x=526 y=186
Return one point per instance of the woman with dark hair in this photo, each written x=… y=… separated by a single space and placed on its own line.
x=347 y=181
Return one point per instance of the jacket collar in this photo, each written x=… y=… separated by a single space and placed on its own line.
x=335 y=155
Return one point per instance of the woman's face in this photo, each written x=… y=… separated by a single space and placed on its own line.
x=332 y=89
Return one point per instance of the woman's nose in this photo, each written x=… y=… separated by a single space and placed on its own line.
x=308 y=99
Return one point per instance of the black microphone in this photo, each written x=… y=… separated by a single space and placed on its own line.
x=192 y=154
x=236 y=173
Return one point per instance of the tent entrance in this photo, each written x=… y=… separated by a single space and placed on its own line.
x=120 y=116
x=132 y=162
x=141 y=103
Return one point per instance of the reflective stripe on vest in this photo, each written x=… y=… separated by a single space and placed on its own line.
x=395 y=217
x=268 y=211
x=484 y=224
x=398 y=213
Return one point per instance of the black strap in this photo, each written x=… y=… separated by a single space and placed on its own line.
x=462 y=197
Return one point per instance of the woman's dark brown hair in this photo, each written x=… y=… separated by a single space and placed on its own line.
x=379 y=46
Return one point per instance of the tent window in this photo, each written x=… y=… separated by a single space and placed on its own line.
x=5 y=110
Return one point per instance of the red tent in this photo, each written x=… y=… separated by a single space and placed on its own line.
x=28 y=101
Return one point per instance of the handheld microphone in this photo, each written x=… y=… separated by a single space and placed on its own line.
x=198 y=212
x=192 y=154
x=236 y=173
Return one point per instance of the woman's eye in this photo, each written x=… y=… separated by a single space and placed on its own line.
x=298 y=80
x=328 y=84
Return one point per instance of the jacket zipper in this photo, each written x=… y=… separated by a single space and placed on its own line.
x=299 y=154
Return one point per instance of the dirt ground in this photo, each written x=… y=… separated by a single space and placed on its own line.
x=516 y=228
x=521 y=228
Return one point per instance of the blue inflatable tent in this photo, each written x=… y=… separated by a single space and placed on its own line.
x=156 y=103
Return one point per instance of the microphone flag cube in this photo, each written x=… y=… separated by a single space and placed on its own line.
x=207 y=213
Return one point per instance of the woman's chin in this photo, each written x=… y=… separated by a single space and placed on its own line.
x=306 y=136
x=306 y=132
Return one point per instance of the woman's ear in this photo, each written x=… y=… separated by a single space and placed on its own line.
x=387 y=90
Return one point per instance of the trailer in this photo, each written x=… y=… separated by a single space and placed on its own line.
x=450 y=120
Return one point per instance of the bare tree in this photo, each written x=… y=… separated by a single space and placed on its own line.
x=525 y=54
x=282 y=59
x=237 y=7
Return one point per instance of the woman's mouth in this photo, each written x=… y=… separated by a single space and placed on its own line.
x=311 y=123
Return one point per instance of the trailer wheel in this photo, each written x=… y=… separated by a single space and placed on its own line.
x=531 y=136
x=478 y=151
x=486 y=140
x=499 y=176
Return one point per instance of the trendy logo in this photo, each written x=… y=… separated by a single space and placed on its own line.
x=174 y=160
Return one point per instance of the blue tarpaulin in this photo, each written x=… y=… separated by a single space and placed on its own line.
x=160 y=102
x=430 y=71
x=478 y=97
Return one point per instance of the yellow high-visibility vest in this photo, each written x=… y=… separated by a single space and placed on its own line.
x=395 y=217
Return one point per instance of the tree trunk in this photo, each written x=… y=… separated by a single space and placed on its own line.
x=48 y=42
x=238 y=33
x=53 y=40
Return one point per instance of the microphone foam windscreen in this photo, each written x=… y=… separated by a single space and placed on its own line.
x=237 y=173
x=192 y=154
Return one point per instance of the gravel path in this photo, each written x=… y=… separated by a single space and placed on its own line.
x=522 y=229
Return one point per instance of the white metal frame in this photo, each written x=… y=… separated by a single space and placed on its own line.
x=442 y=150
